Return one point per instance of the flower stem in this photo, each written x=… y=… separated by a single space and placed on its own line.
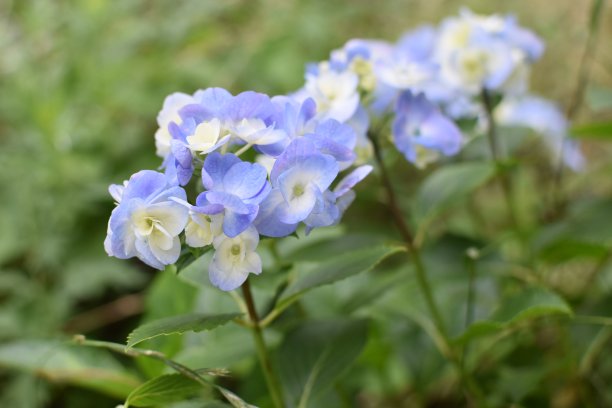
x=262 y=352
x=502 y=176
x=243 y=149
x=421 y=274
x=583 y=78
x=406 y=234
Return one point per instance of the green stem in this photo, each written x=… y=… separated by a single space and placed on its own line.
x=262 y=352
x=502 y=176
x=421 y=276
x=471 y=256
x=409 y=240
x=583 y=77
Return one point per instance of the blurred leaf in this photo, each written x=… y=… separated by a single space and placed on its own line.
x=449 y=185
x=528 y=304
x=601 y=130
x=226 y=346
x=197 y=271
x=163 y=390
x=195 y=375
x=101 y=274
x=589 y=221
x=567 y=249
x=517 y=383
x=311 y=275
x=59 y=362
x=314 y=354
x=323 y=249
x=167 y=296
x=178 y=325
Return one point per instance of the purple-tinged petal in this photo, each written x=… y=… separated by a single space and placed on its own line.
x=144 y=184
x=235 y=223
x=297 y=150
x=267 y=221
x=248 y=105
x=181 y=153
x=215 y=167
x=244 y=179
x=228 y=201
x=338 y=132
x=352 y=179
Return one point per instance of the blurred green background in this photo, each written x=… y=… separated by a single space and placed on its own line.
x=81 y=83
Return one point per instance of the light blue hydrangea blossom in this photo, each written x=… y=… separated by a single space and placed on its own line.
x=421 y=132
x=448 y=66
x=147 y=221
x=297 y=146
x=545 y=118
x=206 y=134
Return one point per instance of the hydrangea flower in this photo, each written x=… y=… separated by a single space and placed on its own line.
x=409 y=65
x=335 y=93
x=544 y=118
x=250 y=117
x=477 y=51
x=235 y=188
x=234 y=259
x=337 y=201
x=214 y=119
x=147 y=221
x=420 y=130
x=300 y=177
x=168 y=114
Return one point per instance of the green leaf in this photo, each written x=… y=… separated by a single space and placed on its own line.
x=197 y=271
x=449 y=185
x=62 y=363
x=526 y=305
x=315 y=354
x=167 y=296
x=601 y=131
x=567 y=249
x=195 y=375
x=163 y=390
x=178 y=325
x=311 y=275
x=324 y=249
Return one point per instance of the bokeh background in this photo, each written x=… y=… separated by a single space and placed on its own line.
x=81 y=83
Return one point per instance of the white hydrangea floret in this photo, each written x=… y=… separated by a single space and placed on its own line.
x=169 y=113
x=156 y=228
x=254 y=131
x=336 y=93
x=202 y=229
x=205 y=139
x=234 y=259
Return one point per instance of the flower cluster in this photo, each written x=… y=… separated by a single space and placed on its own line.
x=298 y=145
x=292 y=178
x=429 y=79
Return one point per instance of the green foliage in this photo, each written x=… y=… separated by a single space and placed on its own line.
x=163 y=390
x=310 y=275
x=178 y=325
x=449 y=185
x=601 y=131
x=314 y=354
x=61 y=363
x=83 y=81
x=527 y=305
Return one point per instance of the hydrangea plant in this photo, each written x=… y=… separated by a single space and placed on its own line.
x=237 y=169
